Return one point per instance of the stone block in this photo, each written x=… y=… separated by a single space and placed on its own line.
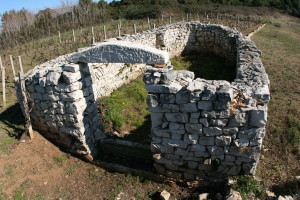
x=212 y=131
x=209 y=93
x=218 y=122
x=169 y=108
x=177 y=128
x=161 y=160
x=216 y=114
x=201 y=154
x=190 y=139
x=230 y=130
x=252 y=133
x=197 y=147
x=158 y=132
x=180 y=152
x=258 y=118
x=177 y=117
x=241 y=142
x=176 y=136
x=196 y=85
x=174 y=143
x=70 y=77
x=189 y=107
x=215 y=151
x=182 y=97
x=156 y=119
x=223 y=140
x=193 y=128
x=225 y=93
x=204 y=122
x=52 y=78
x=71 y=68
x=167 y=98
x=173 y=88
x=205 y=105
x=204 y=140
x=238 y=119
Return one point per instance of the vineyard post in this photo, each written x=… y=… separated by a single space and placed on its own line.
x=24 y=103
x=3 y=83
x=187 y=17
x=206 y=17
x=104 y=29
x=12 y=65
x=74 y=39
x=93 y=35
x=120 y=22
x=21 y=66
x=134 y=28
x=59 y=36
x=198 y=17
x=170 y=20
x=119 y=30
x=149 y=26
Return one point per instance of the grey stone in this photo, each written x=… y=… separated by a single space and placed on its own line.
x=189 y=107
x=195 y=115
x=156 y=119
x=177 y=117
x=197 y=147
x=193 y=128
x=180 y=152
x=173 y=88
x=200 y=154
x=196 y=85
x=238 y=119
x=70 y=77
x=225 y=93
x=161 y=160
x=176 y=136
x=256 y=142
x=167 y=78
x=182 y=97
x=174 y=143
x=216 y=114
x=177 y=128
x=252 y=133
x=218 y=122
x=52 y=78
x=71 y=68
x=161 y=132
x=205 y=105
x=204 y=140
x=152 y=100
x=258 y=118
x=230 y=131
x=204 y=122
x=223 y=140
x=167 y=98
x=190 y=139
x=121 y=52
x=241 y=142
x=209 y=93
x=169 y=108
x=212 y=131
x=215 y=151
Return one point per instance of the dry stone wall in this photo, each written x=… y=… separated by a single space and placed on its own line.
x=200 y=128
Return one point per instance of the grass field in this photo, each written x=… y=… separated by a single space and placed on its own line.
x=38 y=170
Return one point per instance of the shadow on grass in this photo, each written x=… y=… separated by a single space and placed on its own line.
x=142 y=133
x=12 y=120
x=207 y=66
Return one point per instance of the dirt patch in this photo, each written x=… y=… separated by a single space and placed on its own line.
x=39 y=170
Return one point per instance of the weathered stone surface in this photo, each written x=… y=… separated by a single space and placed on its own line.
x=258 y=118
x=156 y=119
x=173 y=88
x=190 y=139
x=223 y=140
x=212 y=131
x=52 y=78
x=218 y=122
x=174 y=143
x=120 y=52
x=205 y=105
x=238 y=119
x=177 y=128
x=177 y=117
x=198 y=147
x=193 y=128
x=189 y=107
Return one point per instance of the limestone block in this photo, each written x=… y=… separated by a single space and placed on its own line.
x=252 y=133
x=223 y=140
x=230 y=130
x=173 y=88
x=121 y=52
x=225 y=92
x=262 y=93
x=189 y=107
x=209 y=93
x=182 y=97
x=76 y=107
x=177 y=117
x=197 y=147
x=168 y=77
x=180 y=152
x=196 y=85
x=218 y=122
x=176 y=136
x=215 y=151
x=52 y=78
x=238 y=119
x=177 y=128
x=71 y=68
x=152 y=100
x=216 y=114
x=205 y=105
x=174 y=143
x=241 y=142
x=204 y=122
x=193 y=128
x=167 y=98
x=245 y=152
x=201 y=154
x=70 y=77
x=256 y=142
x=212 y=131
x=204 y=140
x=156 y=119
x=158 y=148
x=190 y=139
x=258 y=118
x=72 y=96
x=169 y=108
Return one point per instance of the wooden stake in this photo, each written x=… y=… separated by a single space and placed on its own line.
x=12 y=66
x=187 y=17
x=3 y=83
x=74 y=39
x=134 y=28
x=21 y=66
x=104 y=29
x=59 y=36
x=119 y=30
x=25 y=107
x=93 y=35
x=170 y=20
x=149 y=25
x=154 y=26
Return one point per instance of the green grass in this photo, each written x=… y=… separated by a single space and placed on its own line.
x=248 y=187
x=205 y=66
x=59 y=159
x=126 y=110
x=71 y=168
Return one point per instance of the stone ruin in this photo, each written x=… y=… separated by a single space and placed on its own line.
x=200 y=128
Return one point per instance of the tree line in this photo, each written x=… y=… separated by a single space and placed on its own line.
x=21 y=26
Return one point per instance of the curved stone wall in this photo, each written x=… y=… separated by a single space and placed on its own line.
x=201 y=128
